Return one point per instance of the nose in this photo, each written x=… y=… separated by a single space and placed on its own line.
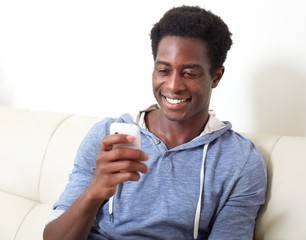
x=176 y=82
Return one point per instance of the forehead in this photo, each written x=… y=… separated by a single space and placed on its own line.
x=191 y=50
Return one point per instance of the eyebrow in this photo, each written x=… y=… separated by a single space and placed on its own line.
x=195 y=65
x=162 y=63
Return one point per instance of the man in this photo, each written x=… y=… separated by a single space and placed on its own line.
x=194 y=177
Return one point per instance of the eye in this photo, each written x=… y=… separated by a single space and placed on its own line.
x=191 y=74
x=163 y=71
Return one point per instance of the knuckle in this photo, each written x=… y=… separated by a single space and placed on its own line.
x=128 y=164
x=110 y=182
x=119 y=151
x=130 y=175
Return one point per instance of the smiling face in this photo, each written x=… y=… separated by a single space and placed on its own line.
x=182 y=82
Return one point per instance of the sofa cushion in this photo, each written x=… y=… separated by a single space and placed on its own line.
x=284 y=215
x=14 y=210
x=24 y=139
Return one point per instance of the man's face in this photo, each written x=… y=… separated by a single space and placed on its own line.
x=182 y=82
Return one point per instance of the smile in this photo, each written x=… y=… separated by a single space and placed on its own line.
x=175 y=101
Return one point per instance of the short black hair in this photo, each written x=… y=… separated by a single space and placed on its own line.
x=195 y=22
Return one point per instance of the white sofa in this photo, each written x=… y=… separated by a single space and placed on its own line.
x=37 y=150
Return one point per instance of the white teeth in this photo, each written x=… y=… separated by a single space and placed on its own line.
x=175 y=101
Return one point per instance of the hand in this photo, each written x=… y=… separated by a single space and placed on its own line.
x=115 y=166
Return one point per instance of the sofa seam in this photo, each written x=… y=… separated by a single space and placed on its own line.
x=273 y=149
x=18 y=195
x=24 y=218
x=45 y=152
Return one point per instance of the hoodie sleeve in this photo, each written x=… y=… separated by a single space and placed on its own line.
x=236 y=219
x=84 y=164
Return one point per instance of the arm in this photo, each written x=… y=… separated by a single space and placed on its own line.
x=76 y=221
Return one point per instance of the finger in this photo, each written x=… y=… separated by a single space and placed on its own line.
x=109 y=182
x=121 y=177
x=110 y=140
x=128 y=153
x=129 y=176
x=122 y=165
x=106 y=157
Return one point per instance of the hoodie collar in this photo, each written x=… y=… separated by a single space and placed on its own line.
x=213 y=124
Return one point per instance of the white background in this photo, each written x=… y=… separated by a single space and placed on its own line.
x=94 y=58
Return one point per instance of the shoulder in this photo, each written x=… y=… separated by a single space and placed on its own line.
x=243 y=161
x=239 y=151
x=253 y=166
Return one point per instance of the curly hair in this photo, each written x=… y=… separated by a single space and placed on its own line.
x=195 y=22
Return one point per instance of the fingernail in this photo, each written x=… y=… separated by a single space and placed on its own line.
x=130 y=138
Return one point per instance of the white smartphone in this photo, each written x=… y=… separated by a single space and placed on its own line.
x=129 y=129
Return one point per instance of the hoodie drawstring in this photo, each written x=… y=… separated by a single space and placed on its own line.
x=198 y=211
x=110 y=208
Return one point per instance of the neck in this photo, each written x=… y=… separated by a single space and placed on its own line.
x=174 y=133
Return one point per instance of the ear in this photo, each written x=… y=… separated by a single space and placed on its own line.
x=217 y=77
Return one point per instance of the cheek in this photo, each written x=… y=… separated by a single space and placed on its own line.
x=203 y=91
x=156 y=81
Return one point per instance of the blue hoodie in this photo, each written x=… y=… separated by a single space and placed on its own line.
x=208 y=188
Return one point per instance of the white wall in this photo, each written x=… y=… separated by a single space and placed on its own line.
x=89 y=57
